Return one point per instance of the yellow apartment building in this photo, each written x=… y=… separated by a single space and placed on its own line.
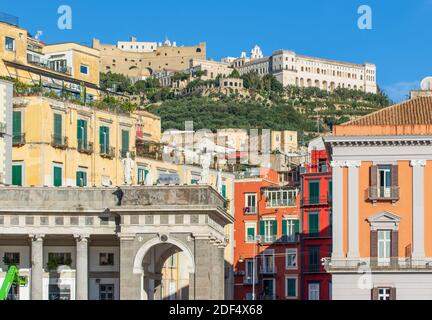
x=68 y=67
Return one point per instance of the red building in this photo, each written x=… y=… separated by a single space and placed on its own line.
x=316 y=215
x=266 y=232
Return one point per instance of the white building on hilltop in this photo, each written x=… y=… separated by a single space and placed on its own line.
x=291 y=68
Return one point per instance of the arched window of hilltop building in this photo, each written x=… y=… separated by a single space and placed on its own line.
x=198 y=50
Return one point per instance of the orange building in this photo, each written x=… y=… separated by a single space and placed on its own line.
x=266 y=261
x=382 y=212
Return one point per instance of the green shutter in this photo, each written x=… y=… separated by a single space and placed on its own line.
x=274 y=228
x=125 y=142
x=81 y=179
x=17 y=175
x=107 y=131
x=251 y=232
x=58 y=177
x=224 y=191
x=16 y=125
x=82 y=134
x=262 y=231
x=104 y=139
x=314 y=192
x=330 y=188
x=78 y=179
x=296 y=227
x=284 y=227
x=84 y=175
x=57 y=128
x=291 y=287
x=313 y=223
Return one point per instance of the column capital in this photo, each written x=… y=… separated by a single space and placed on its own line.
x=126 y=236
x=81 y=237
x=418 y=163
x=36 y=237
x=337 y=164
x=353 y=163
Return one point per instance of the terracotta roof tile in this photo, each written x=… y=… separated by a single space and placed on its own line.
x=415 y=111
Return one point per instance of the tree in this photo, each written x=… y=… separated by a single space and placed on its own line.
x=235 y=74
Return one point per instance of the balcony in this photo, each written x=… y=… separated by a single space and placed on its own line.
x=248 y=280
x=46 y=65
x=19 y=140
x=289 y=239
x=250 y=210
x=281 y=203
x=316 y=201
x=402 y=264
x=123 y=154
x=107 y=152
x=313 y=268
x=269 y=239
x=85 y=147
x=268 y=270
x=376 y=194
x=318 y=234
x=59 y=142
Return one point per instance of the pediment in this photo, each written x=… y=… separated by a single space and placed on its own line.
x=384 y=217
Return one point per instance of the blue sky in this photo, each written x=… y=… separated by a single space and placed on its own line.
x=399 y=43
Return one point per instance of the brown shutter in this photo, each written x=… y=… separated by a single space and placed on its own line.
x=374 y=294
x=395 y=176
x=395 y=244
x=373 y=176
x=393 y=293
x=374 y=244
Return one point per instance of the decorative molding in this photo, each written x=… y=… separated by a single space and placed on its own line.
x=418 y=163
x=346 y=163
x=377 y=141
x=384 y=221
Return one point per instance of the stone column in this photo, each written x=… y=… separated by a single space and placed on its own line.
x=130 y=279
x=36 y=284
x=203 y=285
x=418 y=208
x=353 y=209
x=337 y=223
x=81 y=267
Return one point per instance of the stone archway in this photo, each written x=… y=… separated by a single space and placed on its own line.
x=149 y=262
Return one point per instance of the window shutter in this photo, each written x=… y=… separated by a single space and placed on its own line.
x=374 y=294
x=373 y=176
x=393 y=293
x=395 y=176
x=374 y=244
x=84 y=125
x=125 y=141
x=107 y=130
x=284 y=227
x=251 y=232
x=262 y=231
x=16 y=125
x=57 y=126
x=224 y=191
x=297 y=227
x=274 y=228
x=102 y=139
x=78 y=179
x=17 y=175
x=395 y=244
x=57 y=177
x=80 y=133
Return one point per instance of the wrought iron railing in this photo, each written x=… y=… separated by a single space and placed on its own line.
x=107 y=151
x=378 y=264
x=85 y=147
x=60 y=142
x=18 y=139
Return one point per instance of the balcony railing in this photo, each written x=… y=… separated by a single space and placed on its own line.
x=281 y=203
x=269 y=239
x=268 y=270
x=313 y=268
x=376 y=194
x=107 y=152
x=85 y=147
x=250 y=210
x=317 y=234
x=316 y=201
x=248 y=280
x=290 y=239
x=60 y=142
x=18 y=140
x=378 y=264
x=45 y=65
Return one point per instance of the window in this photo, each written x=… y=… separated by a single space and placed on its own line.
x=81 y=178
x=84 y=69
x=281 y=198
x=269 y=289
x=384 y=294
x=313 y=259
x=106 y=259
x=172 y=261
x=60 y=258
x=11 y=258
x=16 y=128
x=384 y=181
x=57 y=129
x=82 y=134
x=56 y=292
x=291 y=259
x=58 y=65
x=125 y=143
x=106 y=292
x=142 y=174
x=57 y=175
x=291 y=287
x=384 y=246
x=268 y=262
x=290 y=230
x=249 y=268
x=314 y=192
x=17 y=174
x=250 y=231
x=313 y=291
x=251 y=203
x=104 y=139
x=268 y=229
x=9 y=44
x=314 y=228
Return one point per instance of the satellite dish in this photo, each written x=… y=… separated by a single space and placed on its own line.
x=426 y=84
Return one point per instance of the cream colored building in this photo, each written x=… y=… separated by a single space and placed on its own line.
x=285 y=141
x=141 y=64
x=66 y=67
x=293 y=69
x=6 y=92
x=211 y=68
